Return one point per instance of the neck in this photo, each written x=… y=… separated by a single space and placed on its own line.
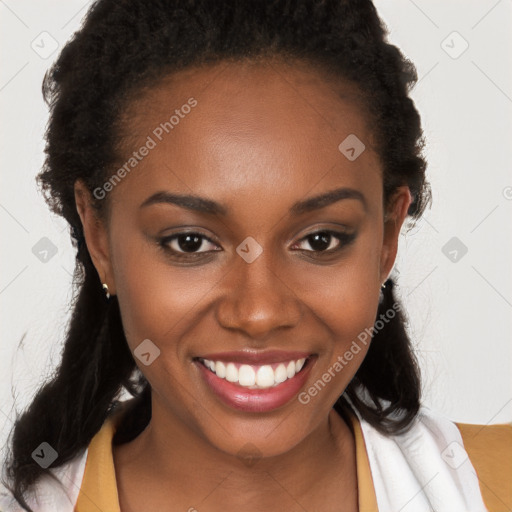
x=169 y=451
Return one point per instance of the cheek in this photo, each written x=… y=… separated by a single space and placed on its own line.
x=346 y=302
x=350 y=303
x=155 y=298
x=348 y=293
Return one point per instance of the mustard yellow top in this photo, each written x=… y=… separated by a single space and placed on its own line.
x=489 y=449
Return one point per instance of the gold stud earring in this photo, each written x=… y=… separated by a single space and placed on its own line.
x=105 y=289
x=381 y=294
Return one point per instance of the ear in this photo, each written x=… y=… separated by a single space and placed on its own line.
x=95 y=233
x=394 y=217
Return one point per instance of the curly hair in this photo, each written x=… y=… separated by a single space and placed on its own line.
x=124 y=46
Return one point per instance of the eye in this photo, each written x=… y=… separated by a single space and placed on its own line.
x=326 y=241
x=187 y=243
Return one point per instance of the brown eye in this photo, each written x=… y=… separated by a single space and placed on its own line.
x=186 y=243
x=327 y=241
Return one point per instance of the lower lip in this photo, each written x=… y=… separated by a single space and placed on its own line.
x=255 y=400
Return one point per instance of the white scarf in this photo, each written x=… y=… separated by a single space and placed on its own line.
x=425 y=469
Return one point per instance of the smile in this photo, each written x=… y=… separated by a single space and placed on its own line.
x=255 y=382
x=255 y=377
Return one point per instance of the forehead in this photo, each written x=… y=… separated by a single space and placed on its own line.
x=253 y=128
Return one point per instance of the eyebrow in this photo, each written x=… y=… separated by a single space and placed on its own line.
x=207 y=206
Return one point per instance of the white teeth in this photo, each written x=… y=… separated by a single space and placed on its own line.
x=255 y=377
x=246 y=375
x=280 y=373
x=220 y=369
x=265 y=377
x=231 y=373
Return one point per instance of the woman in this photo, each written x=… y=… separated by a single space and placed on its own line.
x=236 y=175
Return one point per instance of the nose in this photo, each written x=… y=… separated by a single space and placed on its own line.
x=258 y=299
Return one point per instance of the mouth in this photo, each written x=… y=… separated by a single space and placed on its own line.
x=255 y=382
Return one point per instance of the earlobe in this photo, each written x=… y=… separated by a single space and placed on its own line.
x=393 y=221
x=95 y=234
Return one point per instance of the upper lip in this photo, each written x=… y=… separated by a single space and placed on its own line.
x=257 y=357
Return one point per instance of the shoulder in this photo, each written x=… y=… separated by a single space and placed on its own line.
x=61 y=493
x=49 y=494
x=489 y=448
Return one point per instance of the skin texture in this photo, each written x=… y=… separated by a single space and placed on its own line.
x=260 y=138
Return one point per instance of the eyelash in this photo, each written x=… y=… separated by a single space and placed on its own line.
x=344 y=239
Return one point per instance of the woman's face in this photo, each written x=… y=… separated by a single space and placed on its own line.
x=255 y=160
